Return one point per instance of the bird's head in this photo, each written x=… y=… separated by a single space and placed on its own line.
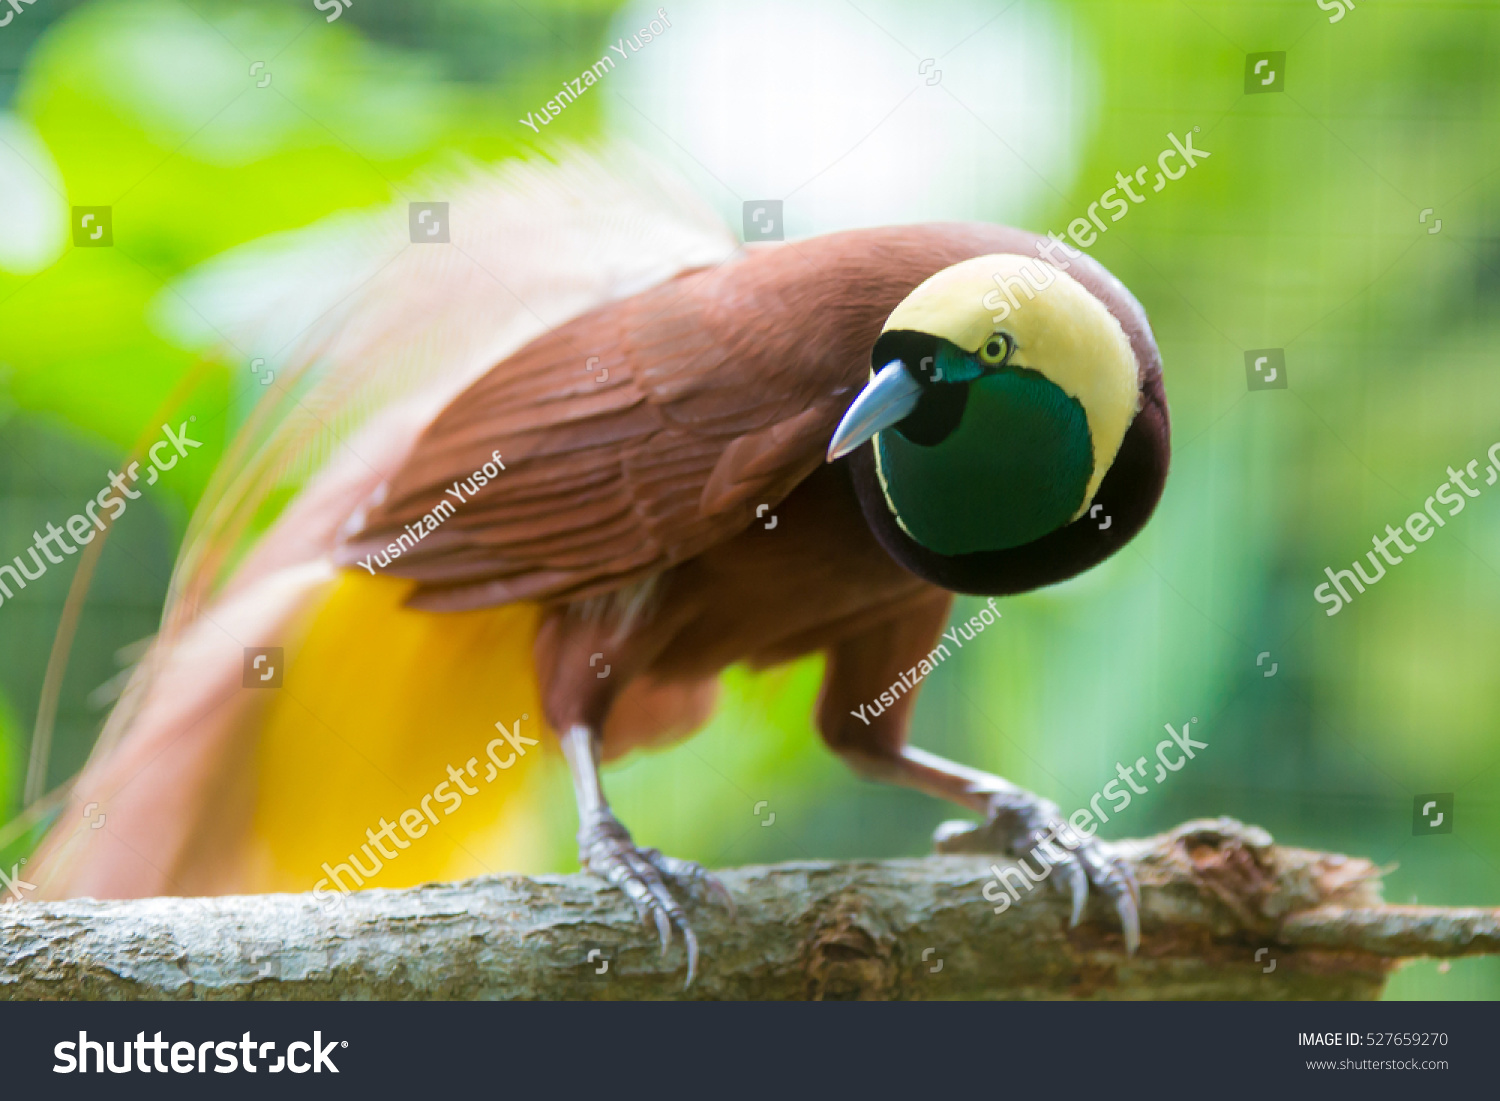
x=1002 y=390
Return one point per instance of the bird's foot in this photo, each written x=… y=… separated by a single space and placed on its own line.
x=1021 y=824
x=606 y=849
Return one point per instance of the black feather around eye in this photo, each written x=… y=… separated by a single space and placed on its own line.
x=937 y=415
x=909 y=347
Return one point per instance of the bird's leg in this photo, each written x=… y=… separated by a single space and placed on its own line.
x=578 y=701
x=605 y=848
x=1016 y=822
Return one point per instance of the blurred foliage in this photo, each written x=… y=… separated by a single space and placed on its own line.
x=1300 y=231
x=10 y=762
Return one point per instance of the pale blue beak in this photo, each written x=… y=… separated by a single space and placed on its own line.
x=889 y=399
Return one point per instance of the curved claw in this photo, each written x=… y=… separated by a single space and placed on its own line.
x=692 y=954
x=663 y=928
x=1128 y=874
x=678 y=869
x=1115 y=879
x=1078 y=888
x=1130 y=917
x=1131 y=921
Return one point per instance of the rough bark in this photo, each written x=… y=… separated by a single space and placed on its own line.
x=1214 y=893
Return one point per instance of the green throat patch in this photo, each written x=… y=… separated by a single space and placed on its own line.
x=1015 y=468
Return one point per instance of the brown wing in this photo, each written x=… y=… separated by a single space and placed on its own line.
x=632 y=438
x=640 y=434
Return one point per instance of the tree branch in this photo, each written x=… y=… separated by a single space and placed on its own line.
x=1214 y=892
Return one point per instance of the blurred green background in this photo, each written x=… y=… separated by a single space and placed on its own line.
x=1303 y=230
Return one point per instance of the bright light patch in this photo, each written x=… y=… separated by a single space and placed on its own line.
x=33 y=210
x=860 y=115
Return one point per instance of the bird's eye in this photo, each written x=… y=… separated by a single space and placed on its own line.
x=995 y=350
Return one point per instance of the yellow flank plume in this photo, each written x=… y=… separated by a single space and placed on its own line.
x=378 y=702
